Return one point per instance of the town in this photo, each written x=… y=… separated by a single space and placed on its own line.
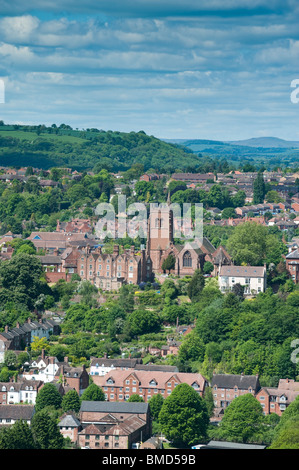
x=98 y=334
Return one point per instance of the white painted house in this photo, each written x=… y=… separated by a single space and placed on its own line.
x=43 y=368
x=253 y=278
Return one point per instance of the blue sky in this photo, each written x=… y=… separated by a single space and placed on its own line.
x=194 y=69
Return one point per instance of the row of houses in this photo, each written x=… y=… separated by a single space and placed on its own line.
x=116 y=422
x=20 y=337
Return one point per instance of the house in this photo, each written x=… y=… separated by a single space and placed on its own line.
x=119 y=385
x=253 y=278
x=193 y=177
x=75 y=378
x=103 y=365
x=75 y=226
x=292 y=264
x=21 y=336
x=51 y=241
x=113 y=425
x=226 y=387
x=44 y=368
x=219 y=258
x=69 y=426
x=276 y=400
x=154 y=442
x=19 y=392
x=9 y=414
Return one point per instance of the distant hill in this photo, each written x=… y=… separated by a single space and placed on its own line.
x=260 y=151
x=47 y=147
x=266 y=142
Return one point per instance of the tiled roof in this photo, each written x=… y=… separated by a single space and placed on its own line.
x=242 y=271
x=16 y=412
x=144 y=378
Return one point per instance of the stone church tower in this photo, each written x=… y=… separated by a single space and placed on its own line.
x=159 y=234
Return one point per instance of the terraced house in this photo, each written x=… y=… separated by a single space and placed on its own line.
x=119 y=385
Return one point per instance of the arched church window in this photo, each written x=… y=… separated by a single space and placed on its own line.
x=187 y=260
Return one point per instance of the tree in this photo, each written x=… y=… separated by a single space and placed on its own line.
x=252 y=243
x=241 y=419
x=135 y=398
x=48 y=396
x=259 y=189
x=38 y=344
x=21 y=278
x=45 y=431
x=93 y=393
x=17 y=436
x=288 y=436
x=196 y=286
x=228 y=213
x=71 y=401
x=169 y=263
x=208 y=267
x=184 y=416
x=140 y=322
x=155 y=404
x=238 y=290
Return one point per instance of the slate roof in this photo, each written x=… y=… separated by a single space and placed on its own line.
x=232 y=380
x=108 y=362
x=293 y=255
x=70 y=421
x=114 y=407
x=242 y=271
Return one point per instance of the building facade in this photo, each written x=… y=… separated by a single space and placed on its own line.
x=253 y=278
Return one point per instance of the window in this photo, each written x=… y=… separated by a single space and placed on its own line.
x=187 y=260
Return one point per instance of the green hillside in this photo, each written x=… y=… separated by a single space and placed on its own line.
x=46 y=147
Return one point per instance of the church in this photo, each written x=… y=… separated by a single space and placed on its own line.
x=109 y=271
x=161 y=244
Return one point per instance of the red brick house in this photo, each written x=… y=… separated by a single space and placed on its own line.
x=276 y=400
x=119 y=385
x=113 y=425
x=226 y=387
x=292 y=264
x=75 y=378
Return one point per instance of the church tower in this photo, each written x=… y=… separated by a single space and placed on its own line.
x=159 y=233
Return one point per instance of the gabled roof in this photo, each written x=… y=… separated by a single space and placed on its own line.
x=232 y=380
x=242 y=271
x=16 y=412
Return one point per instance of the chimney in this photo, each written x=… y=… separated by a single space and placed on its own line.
x=66 y=359
x=6 y=329
x=43 y=354
x=132 y=250
x=18 y=325
x=105 y=355
x=116 y=250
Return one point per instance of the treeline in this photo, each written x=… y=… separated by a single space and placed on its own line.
x=46 y=147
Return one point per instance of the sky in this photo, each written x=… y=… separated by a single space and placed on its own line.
x=176 y=69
